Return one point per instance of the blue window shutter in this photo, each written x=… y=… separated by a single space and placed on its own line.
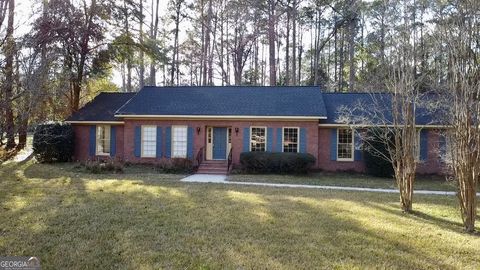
x=278 y=147
x=270 y=139
x=190 y=143
x=138 y=141
x=113 y=141
x=442 y=145
x=333 y=144
x=246 y=139
x=93 y=143
x=423 y=144
x=168 y=142
x=159 y=142
x=357 y=140
x=303 y=140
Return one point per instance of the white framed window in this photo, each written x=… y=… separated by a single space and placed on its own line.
x=103 y=140
x=258 y=139
x=345 y=144
x=179 y=141
x=149 y=141
x=290 y=139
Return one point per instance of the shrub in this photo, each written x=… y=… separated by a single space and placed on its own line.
x=7 y=154
x=375 y=164
x=104 y=165
x=53 y=142
x=3 y=154
x=175 y=165
x=267 y=162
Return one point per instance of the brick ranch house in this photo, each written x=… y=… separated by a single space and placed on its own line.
x=184 y=122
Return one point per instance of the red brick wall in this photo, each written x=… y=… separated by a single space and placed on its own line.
x=119 y=137
x=324 y=149
x=200 y=141
x=318 y=140
x=82 y=142
x=433 y=163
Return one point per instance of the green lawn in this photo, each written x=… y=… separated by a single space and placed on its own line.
x=344 y=179
x=143 y=220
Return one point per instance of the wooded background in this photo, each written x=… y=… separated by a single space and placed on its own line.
x=56 y=55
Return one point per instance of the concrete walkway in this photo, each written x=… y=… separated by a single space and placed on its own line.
x=221 y=179
x=206 y=178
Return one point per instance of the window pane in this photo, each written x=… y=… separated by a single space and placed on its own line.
x=345 y=144
x=103 y=139
x=257 y=139
x=149 y=141
x=179 y=142
x=290 y=140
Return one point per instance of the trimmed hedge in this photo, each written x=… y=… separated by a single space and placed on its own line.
x=175 y=165
x=53 y=142
x=104 y=165
x=268 y=162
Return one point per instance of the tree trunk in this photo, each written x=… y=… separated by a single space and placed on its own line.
x=294 y=43
x=142 y=60
x=342 y=61
x=22 y=132
x=228 y=54
x=213 y=32
x=271 y=42
x=153 y=36
x=207 y=22
x=129 y=75
x=222 y=45
x=175 y=46
x=287 y=48
x=9 y=51
x=300 y=51
x=351 y=48
x=129 y=60
x=76 y=95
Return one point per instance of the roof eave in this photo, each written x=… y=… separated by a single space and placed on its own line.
x=220 y=117
x=87 y=122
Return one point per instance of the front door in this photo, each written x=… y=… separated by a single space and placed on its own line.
x=219 y=143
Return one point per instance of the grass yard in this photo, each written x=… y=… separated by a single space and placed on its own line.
x=344 y=179
x=138 y=220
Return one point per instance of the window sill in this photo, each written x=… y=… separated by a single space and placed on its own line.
x=102 y=154
x=345 y=159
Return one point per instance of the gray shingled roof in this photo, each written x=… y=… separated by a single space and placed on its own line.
x=227 y=101
x=102 y=107
x=334 y=102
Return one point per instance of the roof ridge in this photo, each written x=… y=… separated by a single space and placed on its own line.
x=345 y=93
x=108 y=92
x=234 y=86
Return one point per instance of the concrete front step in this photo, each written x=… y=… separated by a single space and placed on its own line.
x=214 y=162
x=213 y=167
x=210 y=172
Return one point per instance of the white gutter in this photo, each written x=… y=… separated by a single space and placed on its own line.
x=364 y=126
x=96 y=122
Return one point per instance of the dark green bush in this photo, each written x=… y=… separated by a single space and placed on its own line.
x=375 y=149
x=53 y=142
x=267 y=162
x=104 y=165
x=175 y=165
